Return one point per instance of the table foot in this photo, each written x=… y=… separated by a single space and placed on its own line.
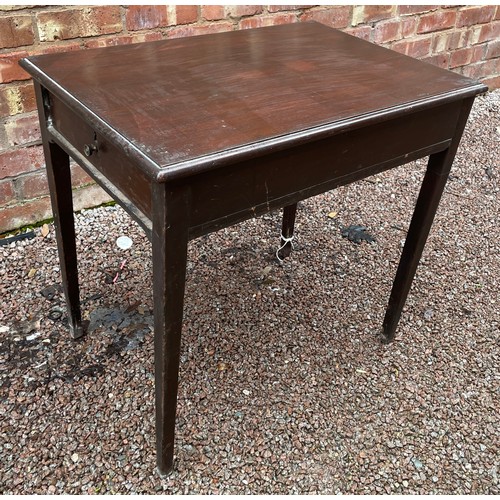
x=76 y=331
x=164 y=473
x=287 y=228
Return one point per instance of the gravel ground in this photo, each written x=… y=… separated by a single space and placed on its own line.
x=284 y=384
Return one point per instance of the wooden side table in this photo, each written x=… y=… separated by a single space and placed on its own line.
x=196 y=134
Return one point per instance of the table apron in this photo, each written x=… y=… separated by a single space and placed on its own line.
x=235 y=193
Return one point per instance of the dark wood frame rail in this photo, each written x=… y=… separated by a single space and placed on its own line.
x=196 y=134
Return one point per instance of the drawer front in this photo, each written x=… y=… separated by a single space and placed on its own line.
x=255 y=186
x=102 y=155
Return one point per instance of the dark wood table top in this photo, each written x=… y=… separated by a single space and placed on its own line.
x=195 y=103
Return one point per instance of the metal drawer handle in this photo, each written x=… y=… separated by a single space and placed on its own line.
x=88 y=149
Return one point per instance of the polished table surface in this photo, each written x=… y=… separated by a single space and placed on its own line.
x=195 y=134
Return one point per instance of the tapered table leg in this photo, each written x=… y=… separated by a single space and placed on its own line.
x=59 y=180
x=287 y=227
x=169 y=240
x=433 y=184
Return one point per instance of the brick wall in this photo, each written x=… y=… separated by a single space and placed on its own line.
x=465 y=39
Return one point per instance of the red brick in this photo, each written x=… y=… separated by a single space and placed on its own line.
x=493 y=50
x=406 y=10
x=7 y=193
x=419 y=47
x=440 y=60
x=108 y=42
x=79 y=177
x=338 y=16
x=408 y=26
x=10 y=70
x=476 y=15
x=492 y=82
x=23 y=160
x=141 y=17
x=32 y=185
x=212 y=12
x=16 y=31
x=53 y=48
x=278 y=8
x=269 y=20
x=485 y=33
x=14 y=216
x=146 y=37
x=15 y=99
x=482 y=69
x=363 y=32
x=78 y=22
x=387 y=31
x=182 y=31
x=244 y=10
x=185 y=14
x=437 y=21
x=443 y=42
x=461 y=57
x=123 y=40
x=23 y=130
x=370 y=13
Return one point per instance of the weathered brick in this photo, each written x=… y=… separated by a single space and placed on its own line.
x=53 y=48
x=185 y=14
x=95 y=43
x=9 y=8
x=492 y=50
x=437 y=21
x=79 y=177
x=194 y=30
x=141 y=17
x=476 y=15
x=406 y=10
x=408 y=26
x=443 y=42
x=78 y=22
x=387 y=31
x=243 y=10
x=212 y=12
x=278 y=8
x=418 y=47
x=32 y=185
x=492 y=82
x=337 y=16
x=482 y=69
x=440 y=60
x=7 y=193
x=15 y=99
x=19 y=214
x=23 y=160
x=485 y=33
x=16 y=31
x=269 y=20
x=363 y=32
x=370 y=13
x=461 y=57
x=10 y=70
x=23 y=130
